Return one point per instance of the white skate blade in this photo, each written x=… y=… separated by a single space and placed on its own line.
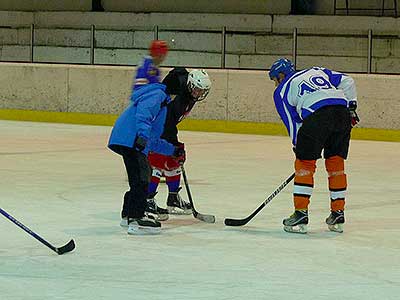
x=158 y=217
x=336 y=228
x=301 y=228
x=124 y=223
x=178 y=211
x=162 y=217
x=143 y=230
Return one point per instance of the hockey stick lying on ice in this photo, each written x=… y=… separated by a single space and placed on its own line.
x=196 y=214
x=64 y=249
x=241 y=222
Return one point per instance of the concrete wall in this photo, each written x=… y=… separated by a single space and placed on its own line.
x=252 y=41
x=204 y=6
x=109 y=20
x=261 y=22
x=201 y=49
x=336 y=24
x=236 y=95
x=46 y=5
x=319 y=7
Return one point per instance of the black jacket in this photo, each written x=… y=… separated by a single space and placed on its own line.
x=176 y=82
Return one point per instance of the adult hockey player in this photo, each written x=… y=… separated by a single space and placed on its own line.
x=188 y=88
x=318 y=108
x=148 y=71
x=137 y=130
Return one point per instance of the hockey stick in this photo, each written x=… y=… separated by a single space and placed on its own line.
x=241 y=222
x=64 y=249
x=196 y=214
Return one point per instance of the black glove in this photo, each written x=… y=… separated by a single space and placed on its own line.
x=180 y=153
x=353 y=114
x=140 y=143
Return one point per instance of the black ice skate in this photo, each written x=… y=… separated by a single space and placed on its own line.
x=297 y=222
x=144 y=225
x=176 y=205
x=159 y=213
x=335 y=221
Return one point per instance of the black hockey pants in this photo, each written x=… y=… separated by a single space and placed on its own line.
x=138 y=170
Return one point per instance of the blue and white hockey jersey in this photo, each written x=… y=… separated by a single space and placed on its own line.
x=303 y=92
x=146 y=73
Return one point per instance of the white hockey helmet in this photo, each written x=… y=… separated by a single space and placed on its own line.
x=199 y=84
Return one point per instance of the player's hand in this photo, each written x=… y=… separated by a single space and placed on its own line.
x=353 y=114
x=180 y=145
x=354 y=118
x=180 y=153
x=140 y=143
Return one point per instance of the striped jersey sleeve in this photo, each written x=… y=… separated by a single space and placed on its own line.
x=302 y=93
x=146 y=73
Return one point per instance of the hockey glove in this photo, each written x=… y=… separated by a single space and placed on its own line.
x=180 y=145
x=353 y=114
x=179 y=153
x=140 y=143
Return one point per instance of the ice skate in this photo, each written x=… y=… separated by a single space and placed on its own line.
x=176 y=205
x=124 y=222
x=159 y=213
x=335 y=221
x=297 y=222
x=146 y=225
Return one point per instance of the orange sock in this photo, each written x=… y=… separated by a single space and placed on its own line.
x=303 y=183
x=337 y=181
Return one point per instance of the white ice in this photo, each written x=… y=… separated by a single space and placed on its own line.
x=62 y=182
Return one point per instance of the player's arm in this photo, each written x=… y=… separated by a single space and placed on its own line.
x=287 y=114
x=161 y=146
x=147 y=110
x=347 y=85
x=343 y=82
x=142 y=73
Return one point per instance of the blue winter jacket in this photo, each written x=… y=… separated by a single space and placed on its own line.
x=145 y=117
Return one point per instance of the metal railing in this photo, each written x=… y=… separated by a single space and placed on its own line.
x=223 y=49
x=376 y=11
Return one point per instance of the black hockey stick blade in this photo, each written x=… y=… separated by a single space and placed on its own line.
x=241 y=222
x=196 y=214
x=66 y=248
x=237 y=222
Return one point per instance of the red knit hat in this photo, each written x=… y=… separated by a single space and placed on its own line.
x=158 y=48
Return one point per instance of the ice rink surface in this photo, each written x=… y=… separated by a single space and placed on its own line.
x=62 y=182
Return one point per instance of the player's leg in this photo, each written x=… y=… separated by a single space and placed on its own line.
x=302 y=191
x=175 y=203
x=156 y=175
x=157 y=162
x=161 y=214
x=138 y=170
x=337 y=188
x=125 y=209
x=310 y=140
x=335 y=153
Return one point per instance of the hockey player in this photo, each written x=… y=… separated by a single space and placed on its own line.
x=137 y=130
x=148 y=71
x=187 y=88
x=318 y=108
